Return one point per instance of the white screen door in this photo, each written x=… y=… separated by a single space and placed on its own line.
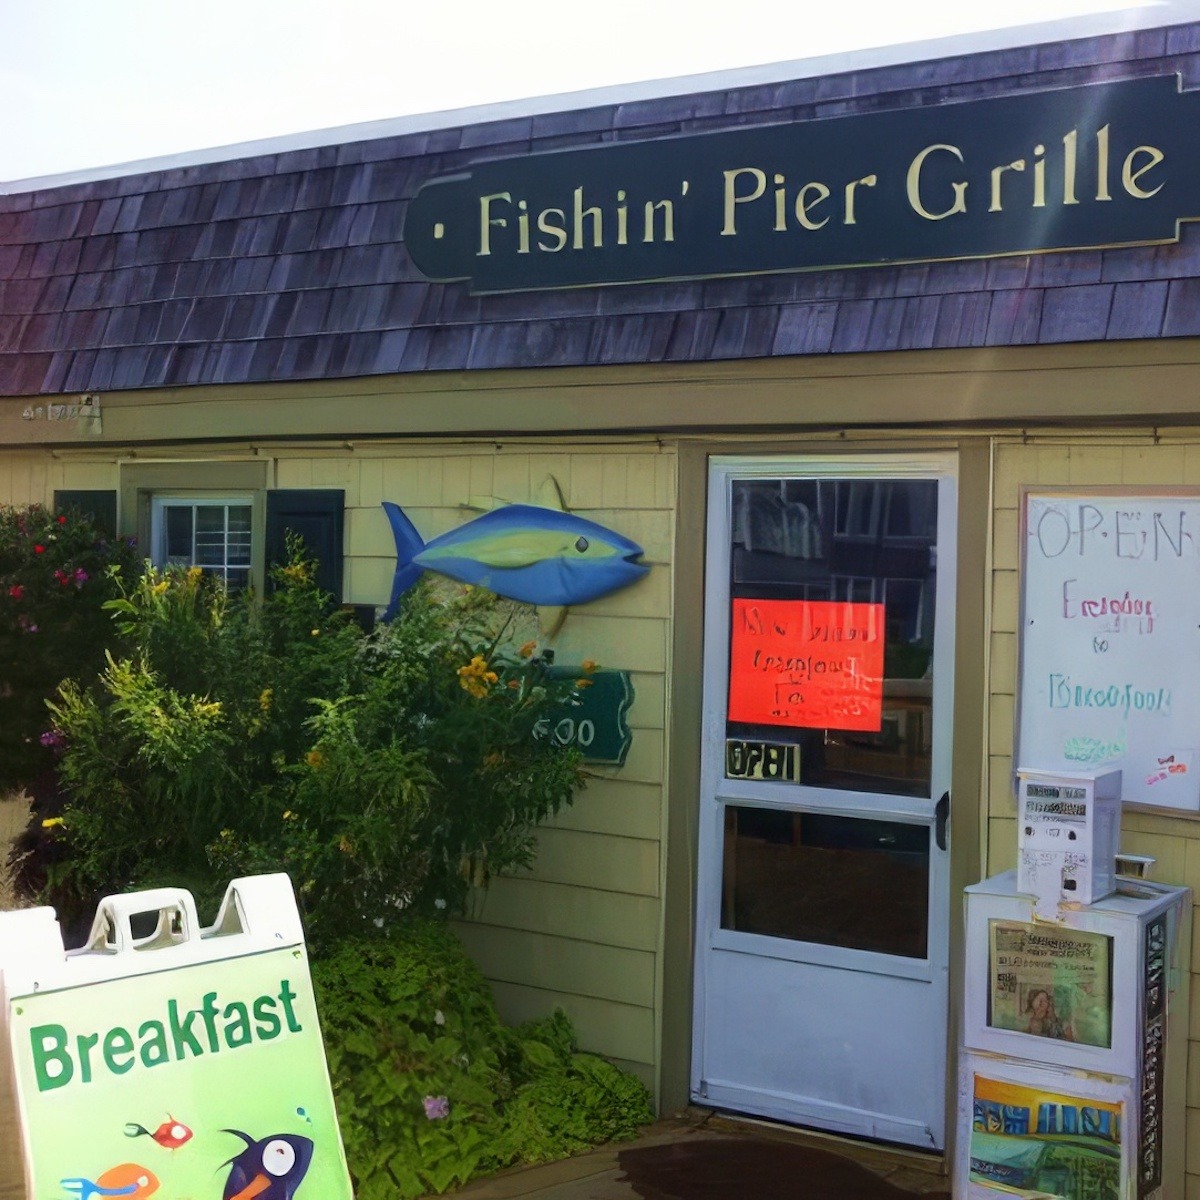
x=822 y=915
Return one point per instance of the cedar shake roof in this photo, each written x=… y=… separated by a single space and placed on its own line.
x=292 y=266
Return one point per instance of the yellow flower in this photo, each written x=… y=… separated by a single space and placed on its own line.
x=297 y=572
x=264 y=699
x=53 y=822
x=476 y=676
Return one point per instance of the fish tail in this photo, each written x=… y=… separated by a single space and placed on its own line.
x=132 y=1130
x=409 y=544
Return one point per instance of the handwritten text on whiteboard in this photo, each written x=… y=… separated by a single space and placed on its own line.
x=1109 y=632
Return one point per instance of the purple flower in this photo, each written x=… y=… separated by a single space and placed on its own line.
x=437 y=1107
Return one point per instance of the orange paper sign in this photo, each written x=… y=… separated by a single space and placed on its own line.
x=812 y=664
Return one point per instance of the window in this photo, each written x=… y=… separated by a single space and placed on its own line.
x=212 y=532
x=225 y=518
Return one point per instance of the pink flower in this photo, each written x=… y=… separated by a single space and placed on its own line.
x=437 y=1107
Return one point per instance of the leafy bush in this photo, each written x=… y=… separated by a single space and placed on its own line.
x=56 y=572
x=432 y=1089
x=385 y=772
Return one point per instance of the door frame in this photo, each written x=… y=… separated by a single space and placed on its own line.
x=942 y=464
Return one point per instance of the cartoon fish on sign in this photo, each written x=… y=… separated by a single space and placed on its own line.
x=171 y=1134
x=270 y=1169
x=130 y=1180
x=535 y=555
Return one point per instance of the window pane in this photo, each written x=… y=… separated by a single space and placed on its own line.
x=214 y=536
x=813 y=877
x=239 y=534
x=848 y=558
x=178 y=522
x=210 y=520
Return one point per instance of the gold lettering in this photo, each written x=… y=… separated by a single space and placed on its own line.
x=668 y=210
x=1070 y=155
x=865 y=181
x=580 y=215
x=803 y=204
x=523 y=227
x=914 y=185
x=557 y=232
x=732 y=199
x=1102 y=164
x=486 y=221
x=1130 y=176
x=1039 y=178
x=997 y=173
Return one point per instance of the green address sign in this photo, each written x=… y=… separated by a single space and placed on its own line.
x=596 y=724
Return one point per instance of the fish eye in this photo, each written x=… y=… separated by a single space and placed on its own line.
x=278 y=1157
x=581 y=544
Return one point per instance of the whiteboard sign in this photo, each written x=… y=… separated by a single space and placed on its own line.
x=1110 y=641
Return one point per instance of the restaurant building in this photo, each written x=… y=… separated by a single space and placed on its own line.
x=813 y=343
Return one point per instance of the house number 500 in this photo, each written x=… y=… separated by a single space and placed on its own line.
x=568 y=731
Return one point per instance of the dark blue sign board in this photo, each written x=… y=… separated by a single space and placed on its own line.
x=1100 y=165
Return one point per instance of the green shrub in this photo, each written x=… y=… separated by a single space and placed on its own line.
x=386 y=773
x=432 y=1089
x=56 y=572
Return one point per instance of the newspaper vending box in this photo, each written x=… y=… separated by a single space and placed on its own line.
x=1066 y=1089
x=166 y=1058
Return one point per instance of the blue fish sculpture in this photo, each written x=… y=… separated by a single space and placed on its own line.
x=536 y=555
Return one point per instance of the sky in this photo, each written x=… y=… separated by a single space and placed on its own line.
x=90 y=83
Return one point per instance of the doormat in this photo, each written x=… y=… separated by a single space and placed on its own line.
x=708 y=1168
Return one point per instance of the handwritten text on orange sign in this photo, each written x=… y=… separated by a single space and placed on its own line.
x=814 y=664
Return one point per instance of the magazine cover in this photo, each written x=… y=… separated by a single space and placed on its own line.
x=1037 y=1143
x=1050 y=981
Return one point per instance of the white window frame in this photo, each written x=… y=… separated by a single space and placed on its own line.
x=160 y=502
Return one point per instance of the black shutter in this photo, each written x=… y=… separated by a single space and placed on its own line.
x=316 y=514
x=98 y=506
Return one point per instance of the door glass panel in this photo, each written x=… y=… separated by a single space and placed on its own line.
x=832 y=586
x=814 y=877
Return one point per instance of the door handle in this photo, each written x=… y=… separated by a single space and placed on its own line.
x=941 y=817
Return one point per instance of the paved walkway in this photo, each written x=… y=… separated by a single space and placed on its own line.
x=714 y=1158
